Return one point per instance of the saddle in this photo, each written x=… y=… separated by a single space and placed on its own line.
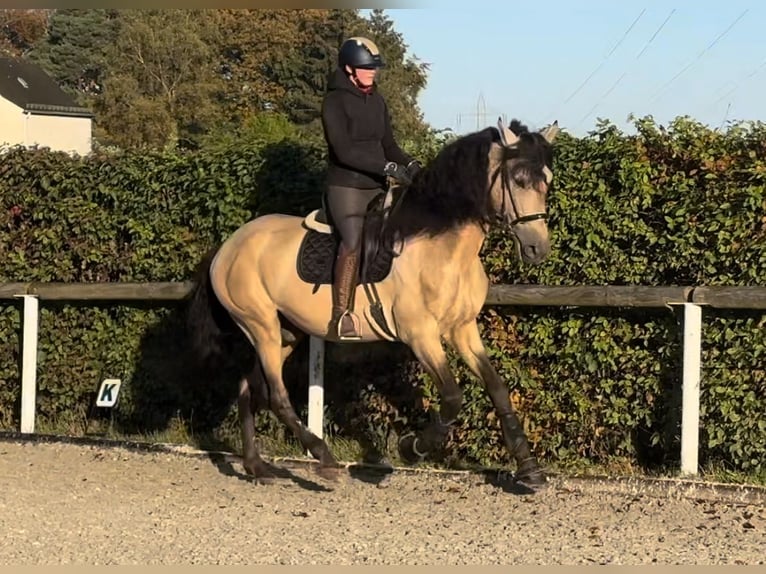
x=319 y=246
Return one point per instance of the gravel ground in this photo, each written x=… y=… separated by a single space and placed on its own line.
x=78 y=504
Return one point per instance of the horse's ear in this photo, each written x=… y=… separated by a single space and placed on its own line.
x=496 y=152
x=551 y=132
x=506 y=135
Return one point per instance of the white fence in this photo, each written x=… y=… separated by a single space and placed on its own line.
x=692 y=299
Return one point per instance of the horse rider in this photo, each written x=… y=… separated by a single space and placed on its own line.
x=362 y=153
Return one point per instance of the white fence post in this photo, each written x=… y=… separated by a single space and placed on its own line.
x=690 y=412
x=31 y=320
x=316 y=386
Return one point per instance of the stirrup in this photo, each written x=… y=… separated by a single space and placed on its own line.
x=354 y=321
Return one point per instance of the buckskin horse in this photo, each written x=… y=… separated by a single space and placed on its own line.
x=422 y=282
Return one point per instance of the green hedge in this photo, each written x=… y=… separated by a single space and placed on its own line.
x=129 y=217
x=682 y=205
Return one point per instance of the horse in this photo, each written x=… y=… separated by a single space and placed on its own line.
x=422 y=282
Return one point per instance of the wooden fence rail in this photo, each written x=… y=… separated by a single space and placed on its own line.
x=692 y=299
x=502 y=294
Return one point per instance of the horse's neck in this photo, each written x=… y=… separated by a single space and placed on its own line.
x=456 y=247
x=468 y=241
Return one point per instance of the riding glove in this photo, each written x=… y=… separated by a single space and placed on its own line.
x=413 y=168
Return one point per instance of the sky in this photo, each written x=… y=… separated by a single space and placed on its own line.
x=579 y=60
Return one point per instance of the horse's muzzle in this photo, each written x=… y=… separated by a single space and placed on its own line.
x=532 y=241
x=535 y=253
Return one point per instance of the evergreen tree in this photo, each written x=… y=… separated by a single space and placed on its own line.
x=74 y=50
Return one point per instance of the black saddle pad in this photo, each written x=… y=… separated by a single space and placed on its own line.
x=316 y=258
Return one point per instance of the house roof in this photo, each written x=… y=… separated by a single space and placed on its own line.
x=32 y=89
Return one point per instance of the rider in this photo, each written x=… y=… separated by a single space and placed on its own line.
x=362 y=152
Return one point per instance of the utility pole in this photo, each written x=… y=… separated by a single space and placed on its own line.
x=480 y=114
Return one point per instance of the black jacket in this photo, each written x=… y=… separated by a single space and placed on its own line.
x=357 y=129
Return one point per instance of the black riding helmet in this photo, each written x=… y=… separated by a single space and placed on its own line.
x=359 y=52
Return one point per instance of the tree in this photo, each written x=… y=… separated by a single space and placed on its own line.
x=21 y=29
x=305 y=70
x=260 y=51
x=163 y=83
x=73 y=51
x=292 y=76
x=402 y=80
x=183 y=77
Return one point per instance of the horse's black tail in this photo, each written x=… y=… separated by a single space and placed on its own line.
x=210 y=328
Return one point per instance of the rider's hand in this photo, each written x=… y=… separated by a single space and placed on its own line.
x=398 y=172
x=413 y=168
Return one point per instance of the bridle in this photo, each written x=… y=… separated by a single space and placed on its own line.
x=508 y=197
x=509 y=142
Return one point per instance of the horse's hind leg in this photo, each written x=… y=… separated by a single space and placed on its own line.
x=467 y=341
x=268 y=344
x=253 y=396
x=426 y=344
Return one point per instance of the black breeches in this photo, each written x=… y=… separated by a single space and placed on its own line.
x=348 y=206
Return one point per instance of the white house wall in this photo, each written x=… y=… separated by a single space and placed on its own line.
x=60 y=133
x=11 y=124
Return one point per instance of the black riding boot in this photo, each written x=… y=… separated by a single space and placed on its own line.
x=344 y=285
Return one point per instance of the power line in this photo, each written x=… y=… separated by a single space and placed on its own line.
x=638 y=57
x=699 y=56
x=742 y=81
x=656 y=33
x=737 y=84
x=604 y=61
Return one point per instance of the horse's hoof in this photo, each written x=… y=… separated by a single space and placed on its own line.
x=375 y=458
x=261 y=471
x=534 y=479
x=330 y=472
x=408 y=450
x=383 y=463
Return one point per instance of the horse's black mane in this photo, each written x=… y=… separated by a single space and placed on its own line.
x=453 y=189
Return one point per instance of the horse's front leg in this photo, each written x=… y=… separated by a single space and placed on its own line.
x=427 y=347
x=467 y=342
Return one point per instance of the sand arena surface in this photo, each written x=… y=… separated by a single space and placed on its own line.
x=77 y=504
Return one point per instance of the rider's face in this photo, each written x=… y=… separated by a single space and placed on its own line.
x=364 y=76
